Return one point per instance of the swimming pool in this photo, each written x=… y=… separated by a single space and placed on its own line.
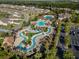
x=48 y=16
x=41 y=23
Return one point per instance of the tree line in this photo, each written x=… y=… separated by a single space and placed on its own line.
x=42 y=4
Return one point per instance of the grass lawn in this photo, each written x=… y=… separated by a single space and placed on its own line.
x=1 y=40
x=29 y=37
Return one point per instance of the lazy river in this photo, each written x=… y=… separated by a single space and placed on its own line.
x=33 y=40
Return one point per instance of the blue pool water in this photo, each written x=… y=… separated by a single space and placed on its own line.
x=48 y=17
x=40 y=23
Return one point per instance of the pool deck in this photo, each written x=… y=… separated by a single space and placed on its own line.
x=35 y=39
